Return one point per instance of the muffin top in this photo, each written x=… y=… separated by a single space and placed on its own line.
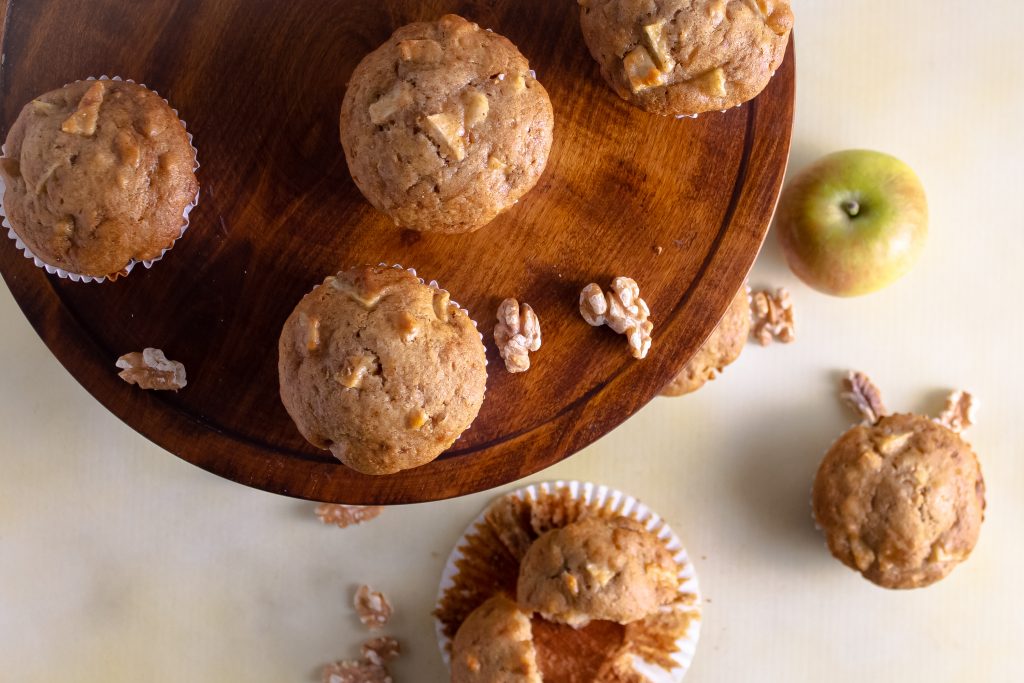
x=495 y=645
x=98 y=174
x=723 y=347
x=901 y=501
x=381 y=369
x=684 y=57
x=444 y=126
x=597 y=569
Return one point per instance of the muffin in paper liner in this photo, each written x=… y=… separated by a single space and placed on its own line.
x=485 y=561
x=75 y=277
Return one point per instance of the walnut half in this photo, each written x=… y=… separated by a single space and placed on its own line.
x=862 y=395
x=773 y=316
x=621 y=309
x=516 y=334
x=150 y=369
x=959 y=412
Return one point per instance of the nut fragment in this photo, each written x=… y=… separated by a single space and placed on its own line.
x=621 y=309
x=381 y=649
x=862 y=395
x=83 y=121
x=391 y=102
x=446 y=131
x=773 y=316
x=346 y=515
x=959 y=412
x=516 y=334
x=355 y=671
x=476 y=107
x=151 y=369
x=641 y=70
x=373 y=608
x=420 y=51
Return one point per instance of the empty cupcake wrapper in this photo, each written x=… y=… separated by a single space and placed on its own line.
x=613 y=502
x=75 y=277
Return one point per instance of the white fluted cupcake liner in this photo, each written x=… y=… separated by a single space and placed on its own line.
x=612 y=502
x=75 y=277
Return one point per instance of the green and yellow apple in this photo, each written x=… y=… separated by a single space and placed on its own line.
x=853 y=222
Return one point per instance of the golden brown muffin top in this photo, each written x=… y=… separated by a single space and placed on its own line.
x=381 y=369
x=597 y=569
x=901 y=501
x=684 y=57
x=98 y=174
x=444 y=126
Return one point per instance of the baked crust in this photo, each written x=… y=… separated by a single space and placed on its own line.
x=98 y=174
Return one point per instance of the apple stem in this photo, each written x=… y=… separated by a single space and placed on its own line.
x=851 y=207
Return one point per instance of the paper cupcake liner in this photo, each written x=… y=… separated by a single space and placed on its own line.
x=607 y=502
x=75 y=277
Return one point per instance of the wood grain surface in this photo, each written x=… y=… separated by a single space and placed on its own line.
x=682 y=206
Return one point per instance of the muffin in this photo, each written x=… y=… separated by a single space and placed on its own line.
x=495 y=645
x=98 y=175
x=381 y=369
x=722 y=348
x=900 y=498
x=503 y=546
x=606 y=569
x=444 y=126
x=685 y=57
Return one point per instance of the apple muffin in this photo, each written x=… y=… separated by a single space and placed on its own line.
x=381 y=369
x=98 y=175
x=900 y=498
x=685 y=57
x=604 y=569
x=495 y=645
x=615 y=550
x=445 y=126
x=722 y=348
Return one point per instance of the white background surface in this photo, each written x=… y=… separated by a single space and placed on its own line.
x=119 y=562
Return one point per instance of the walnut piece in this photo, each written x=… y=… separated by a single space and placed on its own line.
x=346 y=515
x=862 y=395
x=773 y=316
x=151 y=369
x=959 y=412
x=516 y=334
x=373 y=608
x=355 y=671
x=621 y=309
x=380 y=650
x=83 y=121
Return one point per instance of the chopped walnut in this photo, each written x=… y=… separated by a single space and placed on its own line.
x=83 y=121
x=621 y=309
x=861 y=393
x=355 y=671
x=959 y=412
x=516 y=334
x=773 y=316
x=346 y=515
x=373 y=608
x=151 y=369
x=380 y=650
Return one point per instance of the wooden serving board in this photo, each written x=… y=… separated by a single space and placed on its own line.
x=682 y=206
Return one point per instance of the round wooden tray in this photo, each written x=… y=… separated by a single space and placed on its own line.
x=682 y=206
